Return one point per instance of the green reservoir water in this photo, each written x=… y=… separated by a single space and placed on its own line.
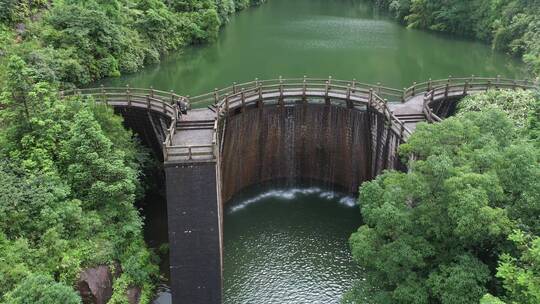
x=343 y=38
x=290 y=245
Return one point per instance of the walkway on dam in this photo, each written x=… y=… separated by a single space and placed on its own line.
x=196 y=128
x=403 y=108
x=192 y=136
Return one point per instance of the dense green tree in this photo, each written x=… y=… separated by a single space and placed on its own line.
x=70 y=172
x=40 y=289
x=520 y=274
x=77 y=42
x=512 y=26
x=434 y=234
x=517 y=104
x=78 y=185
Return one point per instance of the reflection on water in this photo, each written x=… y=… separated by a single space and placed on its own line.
x=289 y=246
x=343 y=38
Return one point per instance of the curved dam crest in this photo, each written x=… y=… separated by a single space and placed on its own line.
x=305 y=142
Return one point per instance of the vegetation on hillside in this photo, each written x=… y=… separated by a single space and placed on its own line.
x=75 y=42
x=464 y=221
x=512 y=26
x=70 y=172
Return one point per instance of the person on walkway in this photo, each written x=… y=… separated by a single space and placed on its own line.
x=182 y=108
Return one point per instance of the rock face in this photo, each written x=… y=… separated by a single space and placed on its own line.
x=134 y=295
x=95 y=285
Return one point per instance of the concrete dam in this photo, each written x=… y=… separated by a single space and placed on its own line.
x=340 y=133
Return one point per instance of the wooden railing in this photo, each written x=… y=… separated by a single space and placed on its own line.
x=190 y=152
x=459 y=87
x=321 y=84
x=150 y=99
x=495 y=83
x=350 y=94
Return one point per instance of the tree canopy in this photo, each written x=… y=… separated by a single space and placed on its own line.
x=440 y=233
x=70 y=172
x=512 y=26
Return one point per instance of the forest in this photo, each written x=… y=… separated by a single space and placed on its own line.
x=510 y=26
x=70 y=173
x=462 y=226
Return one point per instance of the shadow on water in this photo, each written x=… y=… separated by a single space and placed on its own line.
x=154 y=209
x=281 y=244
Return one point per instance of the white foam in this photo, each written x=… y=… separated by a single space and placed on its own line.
x=294 y=193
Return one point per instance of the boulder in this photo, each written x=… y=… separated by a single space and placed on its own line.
x=134 y=295
x=95 y=285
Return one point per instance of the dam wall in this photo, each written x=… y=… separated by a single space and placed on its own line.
x=338 y=146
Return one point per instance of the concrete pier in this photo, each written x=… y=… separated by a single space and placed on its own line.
x=194 y=218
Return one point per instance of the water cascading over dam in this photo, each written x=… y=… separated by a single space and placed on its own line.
x=304 y=143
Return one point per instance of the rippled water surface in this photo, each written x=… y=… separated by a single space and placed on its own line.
x=289 y=246
x=343 y=38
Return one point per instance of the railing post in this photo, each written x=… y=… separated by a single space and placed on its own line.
x=402 y=131
x=349 y=103
x=243 y=98
x=329 y=80
x=414 y=89
x=216 y=96
x=304 y=89
x=281 y=101
x=234 y=87
x=227 y=103
x=219 y=107
x=370 y=98
x=446 y=89
x=465 y=87
x=260 y=101
x=165 y=154
x=103 y=97
x=488 y=85
x=327 y=88
x=429 y=86
x=152 y=92
x=128 y=95
x=190 y=153
x=354 y=85
x=148 y=101
x=379 y=88
x=449 y=79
